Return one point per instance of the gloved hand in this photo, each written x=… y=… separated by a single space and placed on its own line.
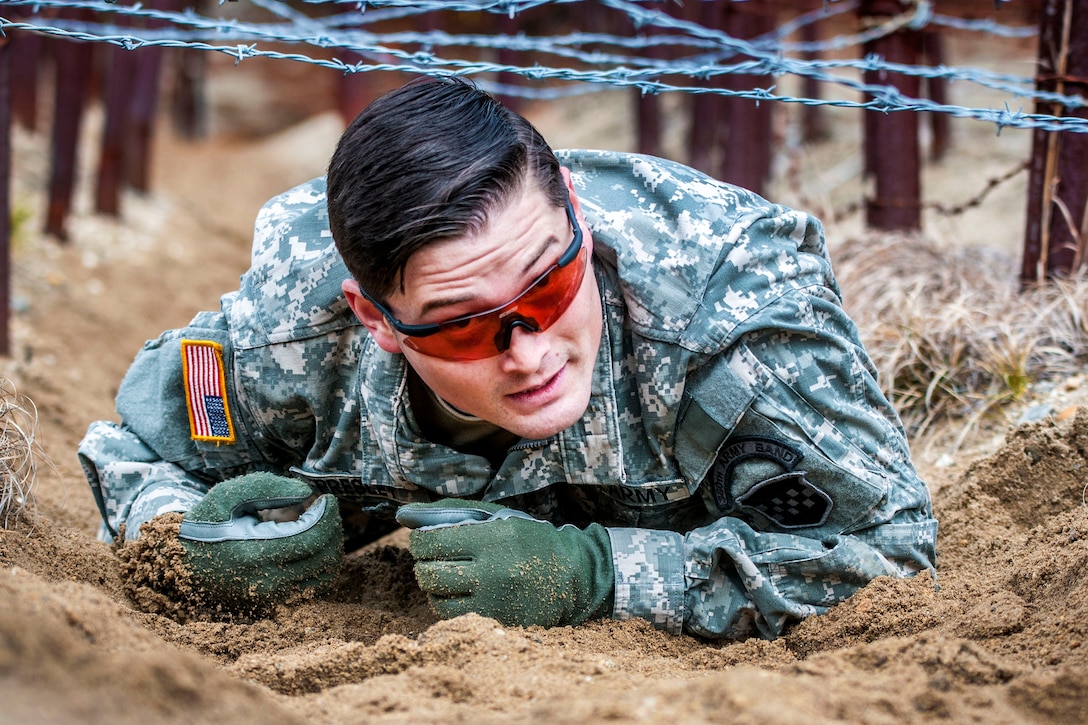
x=501 y=563
x=257 y=539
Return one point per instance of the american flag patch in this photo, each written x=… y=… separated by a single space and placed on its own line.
x=206 y=391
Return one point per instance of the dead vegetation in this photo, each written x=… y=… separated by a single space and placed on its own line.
x=19 y=454
x=951 y=333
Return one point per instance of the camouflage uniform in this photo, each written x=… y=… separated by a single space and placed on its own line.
x=736 y=443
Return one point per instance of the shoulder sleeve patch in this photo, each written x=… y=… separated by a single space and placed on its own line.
x=206 y=391
x=789 y=500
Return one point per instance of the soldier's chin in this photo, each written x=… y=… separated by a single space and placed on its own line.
x=551 y=421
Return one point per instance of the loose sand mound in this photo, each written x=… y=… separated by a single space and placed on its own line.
x=998 y=638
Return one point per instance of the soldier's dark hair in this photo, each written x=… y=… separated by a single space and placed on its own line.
x=423 y=163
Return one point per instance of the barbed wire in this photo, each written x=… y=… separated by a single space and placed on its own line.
x=414 y=52
x=770 y=43
x=235 y=31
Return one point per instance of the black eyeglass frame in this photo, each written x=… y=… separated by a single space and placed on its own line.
x=430 y=328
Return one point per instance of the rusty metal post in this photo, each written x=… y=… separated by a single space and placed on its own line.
x=594 y=16
x=143 y=107
x=648 y=114
x=73 y=74
x=508 y=26
x=5 y=195
x=648 y=110
x=648 y=121
x=142 y=114
x=24 y=58
x=705 y=107
x=1056 y=234
x=353 y=90
x=745 y=126
x=813 y=119
x=115 y=133
x=891 y=139
x=937 y=91
x=189 y=99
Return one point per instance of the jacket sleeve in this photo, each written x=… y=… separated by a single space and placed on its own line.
x=812 y=486
x=130 y=483
x=183 y=429
x=262 y=384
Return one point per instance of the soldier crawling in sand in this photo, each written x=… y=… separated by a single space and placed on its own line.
x=593 y=384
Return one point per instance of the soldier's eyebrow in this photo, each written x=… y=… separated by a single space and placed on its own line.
x=551 y=241
x=441 y=302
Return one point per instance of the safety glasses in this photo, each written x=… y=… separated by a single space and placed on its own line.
x=487 y=334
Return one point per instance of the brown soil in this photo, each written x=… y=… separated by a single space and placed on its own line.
x=998 y=638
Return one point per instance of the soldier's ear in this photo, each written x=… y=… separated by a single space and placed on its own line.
x=371 y=317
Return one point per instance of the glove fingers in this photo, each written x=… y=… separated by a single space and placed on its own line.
x=447 y=578
x=300 y=553
x=246 y=572
x=448 y=543
x=449 y=607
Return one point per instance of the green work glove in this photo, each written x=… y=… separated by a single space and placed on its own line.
x=258 y=539
x=501 y=563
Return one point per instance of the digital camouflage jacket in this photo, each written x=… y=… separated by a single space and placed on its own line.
x=736 y=444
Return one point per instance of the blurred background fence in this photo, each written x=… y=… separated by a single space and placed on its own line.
x=737 y=64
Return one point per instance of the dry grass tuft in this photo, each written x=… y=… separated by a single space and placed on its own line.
x=950 y=332
x=18 y=452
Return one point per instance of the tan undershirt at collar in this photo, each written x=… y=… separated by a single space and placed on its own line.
x=441 y=423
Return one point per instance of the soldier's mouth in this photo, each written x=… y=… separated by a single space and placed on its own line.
x=539 y=394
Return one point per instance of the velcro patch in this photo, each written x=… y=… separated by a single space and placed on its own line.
x=789 y=500
x=747 y=448
x=206 y=391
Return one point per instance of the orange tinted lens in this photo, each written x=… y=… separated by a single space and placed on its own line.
x=466 y=339
x=549 y=298
x=473 y=337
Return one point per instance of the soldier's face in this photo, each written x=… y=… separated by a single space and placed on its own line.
x=540 y=384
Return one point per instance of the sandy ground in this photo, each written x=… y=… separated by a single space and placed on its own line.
x=998 y=638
